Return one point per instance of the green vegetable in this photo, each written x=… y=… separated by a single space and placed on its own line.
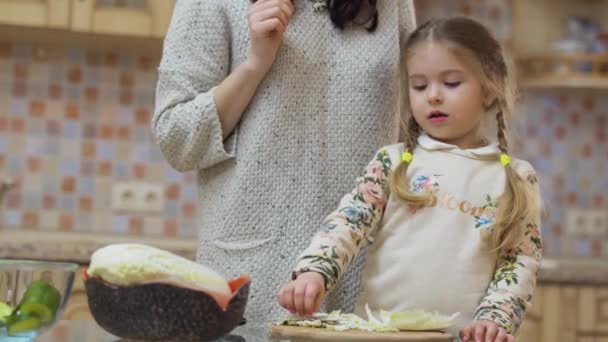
x=38 y=305
x=5 y=312
x=40 y=300
x=20 y=322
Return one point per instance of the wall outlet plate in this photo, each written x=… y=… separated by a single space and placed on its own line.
x=139 y=197
x=587 y=223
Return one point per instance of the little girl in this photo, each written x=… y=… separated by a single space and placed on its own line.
x=452 y=219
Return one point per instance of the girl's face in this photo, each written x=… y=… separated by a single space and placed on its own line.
x=446 y=97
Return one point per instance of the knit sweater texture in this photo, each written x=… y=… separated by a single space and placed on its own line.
x=330 y=100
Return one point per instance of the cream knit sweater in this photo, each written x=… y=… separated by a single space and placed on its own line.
x=327 y=104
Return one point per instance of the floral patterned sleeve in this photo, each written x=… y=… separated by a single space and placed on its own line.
x=510 y=291
x=345 y=231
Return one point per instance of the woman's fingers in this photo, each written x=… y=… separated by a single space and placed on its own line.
x=268 y=26
x=285 y=5
x=271 y=13
x=262 y=14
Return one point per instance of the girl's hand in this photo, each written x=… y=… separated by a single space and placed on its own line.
x=484 y=331
x=268 y=20
x=303 y=295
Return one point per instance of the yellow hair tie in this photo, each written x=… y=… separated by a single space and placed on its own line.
x=407 y=157
x=505 y=159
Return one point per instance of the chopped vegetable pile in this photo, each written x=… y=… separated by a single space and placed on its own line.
x=386 y=322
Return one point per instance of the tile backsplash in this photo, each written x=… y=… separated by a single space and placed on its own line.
x=72 y=123
x=564 y=135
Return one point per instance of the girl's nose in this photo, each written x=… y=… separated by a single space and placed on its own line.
x=434 y=96
x=435 y=99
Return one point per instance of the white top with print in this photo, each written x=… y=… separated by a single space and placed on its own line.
x=439 y=257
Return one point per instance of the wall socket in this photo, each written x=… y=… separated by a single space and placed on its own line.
x=140 y=197
x=587 y=223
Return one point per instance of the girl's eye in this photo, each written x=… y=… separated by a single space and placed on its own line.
x=452 y=84
x=419 y=87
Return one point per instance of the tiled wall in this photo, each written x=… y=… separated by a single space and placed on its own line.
x=73 y=122
x=566 y=141
x=561 y=132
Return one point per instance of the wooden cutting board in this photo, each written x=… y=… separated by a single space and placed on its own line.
x=286 y=333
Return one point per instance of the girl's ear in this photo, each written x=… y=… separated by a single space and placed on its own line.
x=489 y=100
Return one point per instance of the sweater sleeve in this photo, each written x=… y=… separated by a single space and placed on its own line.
x=510 y=291
x=344 y=232
x=196 y=58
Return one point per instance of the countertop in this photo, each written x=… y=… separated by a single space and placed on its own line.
x=59 y=246
x=78 y=247
x=581 y=271
x=89 y=331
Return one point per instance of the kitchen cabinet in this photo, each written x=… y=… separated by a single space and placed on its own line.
x=561 y=43
x=35 y=13
x=567 y=313
x=133 y=25
x=150 y=19
x=530 y=330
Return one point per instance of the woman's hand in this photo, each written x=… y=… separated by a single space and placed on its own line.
x=268 y=20
x=484 y=331
x=303 y=295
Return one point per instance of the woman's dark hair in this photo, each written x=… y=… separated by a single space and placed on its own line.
x=358 y=12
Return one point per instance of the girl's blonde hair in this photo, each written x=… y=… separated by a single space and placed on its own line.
x=471 y=41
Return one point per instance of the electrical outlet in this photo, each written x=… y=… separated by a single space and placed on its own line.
x=138 y=197
x=598 y=223
x=123 y=197
x=150 y=198
x=587 y=223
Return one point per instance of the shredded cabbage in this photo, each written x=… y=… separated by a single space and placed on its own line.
x=386 y=322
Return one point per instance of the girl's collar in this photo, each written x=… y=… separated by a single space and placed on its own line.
x=428 y=143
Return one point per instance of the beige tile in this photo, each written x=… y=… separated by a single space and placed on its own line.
x=49 y=220
x=153 y=226
x=69 y=148
x=122 y=151
x=50 y=166
x=155 y=172
x=32 y=182
x=102 y=223
x=16 y=142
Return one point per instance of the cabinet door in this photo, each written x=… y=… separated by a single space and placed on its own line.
x=530 y=331
x=593 y=314
x=37 y=13
x=147 y=18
